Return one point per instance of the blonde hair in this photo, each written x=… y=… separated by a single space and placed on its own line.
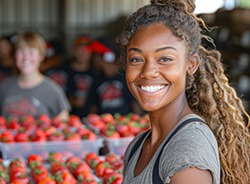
x=208 y=91
x=32 y=39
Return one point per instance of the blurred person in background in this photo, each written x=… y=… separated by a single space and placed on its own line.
x=77 y=75
x=6 y=56
x=29 y=92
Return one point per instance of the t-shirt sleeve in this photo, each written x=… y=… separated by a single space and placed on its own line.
x=60 y=100
x=193 y=147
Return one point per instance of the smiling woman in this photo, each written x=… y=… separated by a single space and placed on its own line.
x=198 y=133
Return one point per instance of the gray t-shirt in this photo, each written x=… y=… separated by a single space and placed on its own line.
x=192 y=146
x=46 y=98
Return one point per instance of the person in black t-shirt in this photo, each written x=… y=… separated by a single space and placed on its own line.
x=77 y=76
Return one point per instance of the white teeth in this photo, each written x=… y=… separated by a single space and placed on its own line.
x=151 y=88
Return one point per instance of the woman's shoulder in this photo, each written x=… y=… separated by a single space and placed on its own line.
x=197 y=128
x=50 y=82
x=196 y=134
x=10 y=80
x=193 y=141
x=192 y=146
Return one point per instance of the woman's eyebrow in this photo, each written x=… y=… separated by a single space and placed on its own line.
x=165 y=48
x=157 y=50
x=135 y=49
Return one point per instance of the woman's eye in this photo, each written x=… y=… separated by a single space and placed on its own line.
x=165 y=59
x=134 y=60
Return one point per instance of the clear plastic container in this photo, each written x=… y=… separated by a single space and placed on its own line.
x=78 y=148
x=118 y=145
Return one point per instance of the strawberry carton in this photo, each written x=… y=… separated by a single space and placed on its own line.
x=74 y=147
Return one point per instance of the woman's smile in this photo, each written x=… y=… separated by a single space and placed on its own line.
x=152 y=89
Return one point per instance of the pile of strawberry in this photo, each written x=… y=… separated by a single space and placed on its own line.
x=118 y=126
x=43 y=128
x=57 y=169
x=108 y=170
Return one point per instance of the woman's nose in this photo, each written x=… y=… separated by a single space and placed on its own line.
x=149 y=70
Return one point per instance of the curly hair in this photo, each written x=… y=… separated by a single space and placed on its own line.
x=208 y=91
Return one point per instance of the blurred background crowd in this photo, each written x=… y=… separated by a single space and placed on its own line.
x=81 y=51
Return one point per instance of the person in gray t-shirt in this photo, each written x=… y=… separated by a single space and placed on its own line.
x=29 y=92
x=197 y=133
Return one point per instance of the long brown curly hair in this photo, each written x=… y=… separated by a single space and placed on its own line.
x=208 y=91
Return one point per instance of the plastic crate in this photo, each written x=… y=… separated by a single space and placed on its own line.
x=115 y=145
x=78 y=148
x=118 y=145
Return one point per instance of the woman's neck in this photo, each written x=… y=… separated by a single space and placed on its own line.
x=164 y=120
x=30 y=81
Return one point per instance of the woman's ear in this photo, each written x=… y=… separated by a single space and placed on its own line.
x=193 y=64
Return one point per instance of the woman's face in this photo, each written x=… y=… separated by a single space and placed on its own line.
x=156 y=67
x=28 y=60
